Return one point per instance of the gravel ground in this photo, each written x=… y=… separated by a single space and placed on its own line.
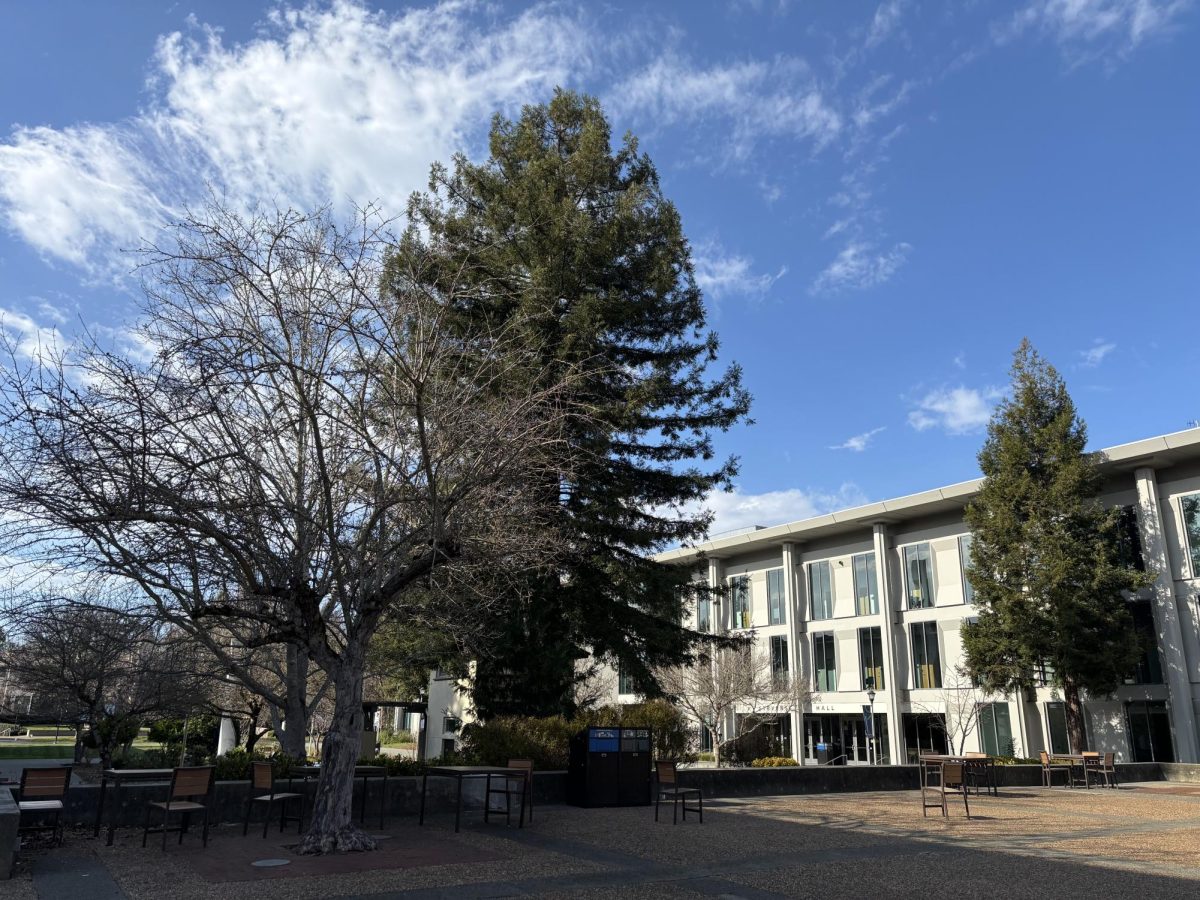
x=1025 y=843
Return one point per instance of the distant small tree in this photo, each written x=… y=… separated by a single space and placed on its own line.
x=960 y=709
x=1045 y=565
x=732 y=692
x=109 y=671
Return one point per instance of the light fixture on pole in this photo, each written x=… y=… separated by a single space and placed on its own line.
x=871 y=721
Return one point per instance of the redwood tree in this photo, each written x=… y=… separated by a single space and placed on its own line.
x=1049 y=583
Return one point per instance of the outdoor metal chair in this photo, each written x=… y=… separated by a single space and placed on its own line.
x=187 y=783
x=668 y=787
x=952 y=778
x=1049 y=768
x=1108 y=770
x=43 y=791
x=510 y=788
x=262 y=778
x=1089 y=766
x=981 y=772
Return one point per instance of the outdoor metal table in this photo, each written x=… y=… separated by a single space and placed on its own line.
x=984 y=764
x=1074 y=759
x=118 y=777
x=458 y=773
x=363 y=772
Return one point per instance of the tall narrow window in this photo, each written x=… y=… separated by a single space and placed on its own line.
x=927 y=658
x=1129 y=540
x=625 y=682
x=866 y=586
x=995 y=729
x=824 y=662
x=820 y=589
x=1056 y=725
x=739 y=589
x=704 y=613
x=775 y=604
x=779 y=659
x=964 y=560
x=1191 y=527
x=1149 y=666
x=918 y=569
x=870 y=653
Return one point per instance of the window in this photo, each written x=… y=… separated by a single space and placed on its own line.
x=1191 y=528
x=1056 y=724
x=866 y=591
x=918 y=568
x=451 y=724
x=964 y=560
x=1149 y=667
x=824 y=662
x=625 y=682
x=779 y=659
x=927 y=659
x=870 y=653
x=739 y=591
x=995 y=729
x=820 y=589
x=775 y=604
x=704 y=614
x=1129 y=540
x=448 y=746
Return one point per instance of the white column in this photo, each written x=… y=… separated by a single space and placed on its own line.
x=1166 y=617
x=794 y=614
x=889 y=602
x=225 y=737
x=716 y=578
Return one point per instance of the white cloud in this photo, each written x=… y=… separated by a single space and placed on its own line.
x=1089 y=29
x=736 y=510
x=859 y=266
x=960 y=360
x=1094 y=355
x=29 y=338
x=884 y=22
x=858 y=443
x=959 y=410
x=332 y=103
x=722 y=275
x=751 y=101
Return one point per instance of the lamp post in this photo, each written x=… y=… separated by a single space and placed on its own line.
x=871 y=700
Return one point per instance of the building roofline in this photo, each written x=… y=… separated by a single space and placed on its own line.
x=1155 y=452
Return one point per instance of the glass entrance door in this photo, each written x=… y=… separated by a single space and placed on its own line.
x=1149 y=731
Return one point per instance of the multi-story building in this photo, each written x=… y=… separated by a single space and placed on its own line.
x=874 y=597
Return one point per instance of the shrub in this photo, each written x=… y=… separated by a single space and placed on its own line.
x=395 y=765
x=773 y=762
x=235 y=765
x=547 y=740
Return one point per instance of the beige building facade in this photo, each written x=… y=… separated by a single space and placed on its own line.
x=874 y=598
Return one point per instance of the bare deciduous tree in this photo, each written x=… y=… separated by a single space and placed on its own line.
x=961 y=707
x=108 y=670
x=304 y=449
x=732 y=692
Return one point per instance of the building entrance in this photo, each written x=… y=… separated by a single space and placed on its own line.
x=844 y=737
x=1149 y=731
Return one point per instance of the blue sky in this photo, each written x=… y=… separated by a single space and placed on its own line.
x=882 y=198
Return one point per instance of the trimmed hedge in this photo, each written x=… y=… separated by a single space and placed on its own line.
x=546 y=740
x=773 y=762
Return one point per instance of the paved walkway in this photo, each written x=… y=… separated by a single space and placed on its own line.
x=70 y=876
x=1027 y=843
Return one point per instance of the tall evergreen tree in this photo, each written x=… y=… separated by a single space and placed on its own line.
x=572 y=241
x=1045 y=566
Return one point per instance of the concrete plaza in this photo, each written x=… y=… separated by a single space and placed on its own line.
x=1140 y=840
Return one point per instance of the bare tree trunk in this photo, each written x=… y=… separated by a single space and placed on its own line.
x=291 y=722
x=331 y=826
x=1075 y=729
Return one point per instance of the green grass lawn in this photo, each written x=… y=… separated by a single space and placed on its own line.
x=36 y=751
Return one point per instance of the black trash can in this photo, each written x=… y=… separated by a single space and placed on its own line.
x=610 y=767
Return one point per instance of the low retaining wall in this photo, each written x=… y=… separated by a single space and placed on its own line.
x=228 y=802
x=752 y=782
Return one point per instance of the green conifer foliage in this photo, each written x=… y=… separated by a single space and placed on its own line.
x=1049 y=584
x=562 y=235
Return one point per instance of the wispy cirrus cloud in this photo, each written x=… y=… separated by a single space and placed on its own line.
x=1096 y=354
x=332 y=102
x=858 y=443
x=860 y=265
x=958 y=410
x=1091 y=29
x=885 y=21
x=752 y=101
x=720 y=274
